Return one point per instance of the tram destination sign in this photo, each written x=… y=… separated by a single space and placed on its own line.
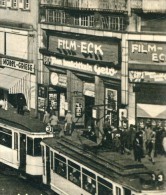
x=153 y=53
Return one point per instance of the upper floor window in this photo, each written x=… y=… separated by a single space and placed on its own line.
x=14 y=4
x=2 y=3
x=56 y=16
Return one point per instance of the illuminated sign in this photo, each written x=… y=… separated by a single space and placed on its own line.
x=91 y=49
x=18 y=65
x=84 y=67
x=147 y=52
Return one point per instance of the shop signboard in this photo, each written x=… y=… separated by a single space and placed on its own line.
x=152 y=53
x=89 y=89
x=83 y=67
x=18 y=65
x=86 y=48
x=147 y=77
x=58 y=79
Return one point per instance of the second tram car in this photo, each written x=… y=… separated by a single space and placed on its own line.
x=83 y=169
x=20 y=139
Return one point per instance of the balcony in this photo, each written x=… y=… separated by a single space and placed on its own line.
x=102 y=5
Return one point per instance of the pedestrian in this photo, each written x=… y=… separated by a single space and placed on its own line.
x=20 y=105
x=152 y=147
x=148 y=135
x=68 y=123
x=46 y=118
x=137 y=149
x=54 y=122
x=159 y=131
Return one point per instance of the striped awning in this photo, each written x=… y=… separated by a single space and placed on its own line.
x=15 y=81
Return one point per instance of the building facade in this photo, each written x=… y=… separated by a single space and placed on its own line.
x=18 y=51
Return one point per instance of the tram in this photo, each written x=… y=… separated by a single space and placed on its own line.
x=75 y=165
x=20 y=139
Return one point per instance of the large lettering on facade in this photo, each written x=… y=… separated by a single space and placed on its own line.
x=147 y=52
x=85 y=48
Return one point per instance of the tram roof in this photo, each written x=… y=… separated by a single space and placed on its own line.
x=23 y=122
x=119 y=168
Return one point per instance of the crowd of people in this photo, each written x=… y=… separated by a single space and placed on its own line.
x=143 y=140
x=52 y=122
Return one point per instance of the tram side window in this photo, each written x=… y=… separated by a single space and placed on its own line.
x=104 y=187
x=6 y=137
x=74 y=174
x=89 y=181
x=60 y=165
x=15 y=141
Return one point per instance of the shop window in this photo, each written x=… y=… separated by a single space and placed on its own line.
x=74 y=174
x=6 y=137
x=60 y=165
x=104 y=187
x=89 y=181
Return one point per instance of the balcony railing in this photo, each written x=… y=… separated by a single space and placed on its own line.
x=95 y=20
x=116 y=5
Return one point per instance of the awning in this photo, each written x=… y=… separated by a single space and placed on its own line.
x=15 y=81
x=151 y=111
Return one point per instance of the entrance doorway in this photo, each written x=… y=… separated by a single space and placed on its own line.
x=22 y=152
x=89 y=103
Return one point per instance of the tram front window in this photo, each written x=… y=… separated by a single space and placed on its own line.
x=33 y=146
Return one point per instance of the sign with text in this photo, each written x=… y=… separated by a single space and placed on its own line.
x=27 y=67
x=83 y=67
x=152 y=53
x=147 y=77
x=89 y=48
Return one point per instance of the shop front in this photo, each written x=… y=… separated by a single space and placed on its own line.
x=17 y=80
x=148 y=81
x=92 y=69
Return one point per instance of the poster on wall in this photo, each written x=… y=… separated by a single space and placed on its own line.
x=42 y=98
x=111 y=99
x=53 y=98
x=62 y=105
x=122 y=117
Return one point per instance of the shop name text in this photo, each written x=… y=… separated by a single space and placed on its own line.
x=153 y=49
x=84 y=47
x=18 y=65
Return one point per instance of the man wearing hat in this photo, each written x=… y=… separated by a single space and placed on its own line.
x=68 y=124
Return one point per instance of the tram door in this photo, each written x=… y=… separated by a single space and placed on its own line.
x=22 y=152
x=48 y=165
